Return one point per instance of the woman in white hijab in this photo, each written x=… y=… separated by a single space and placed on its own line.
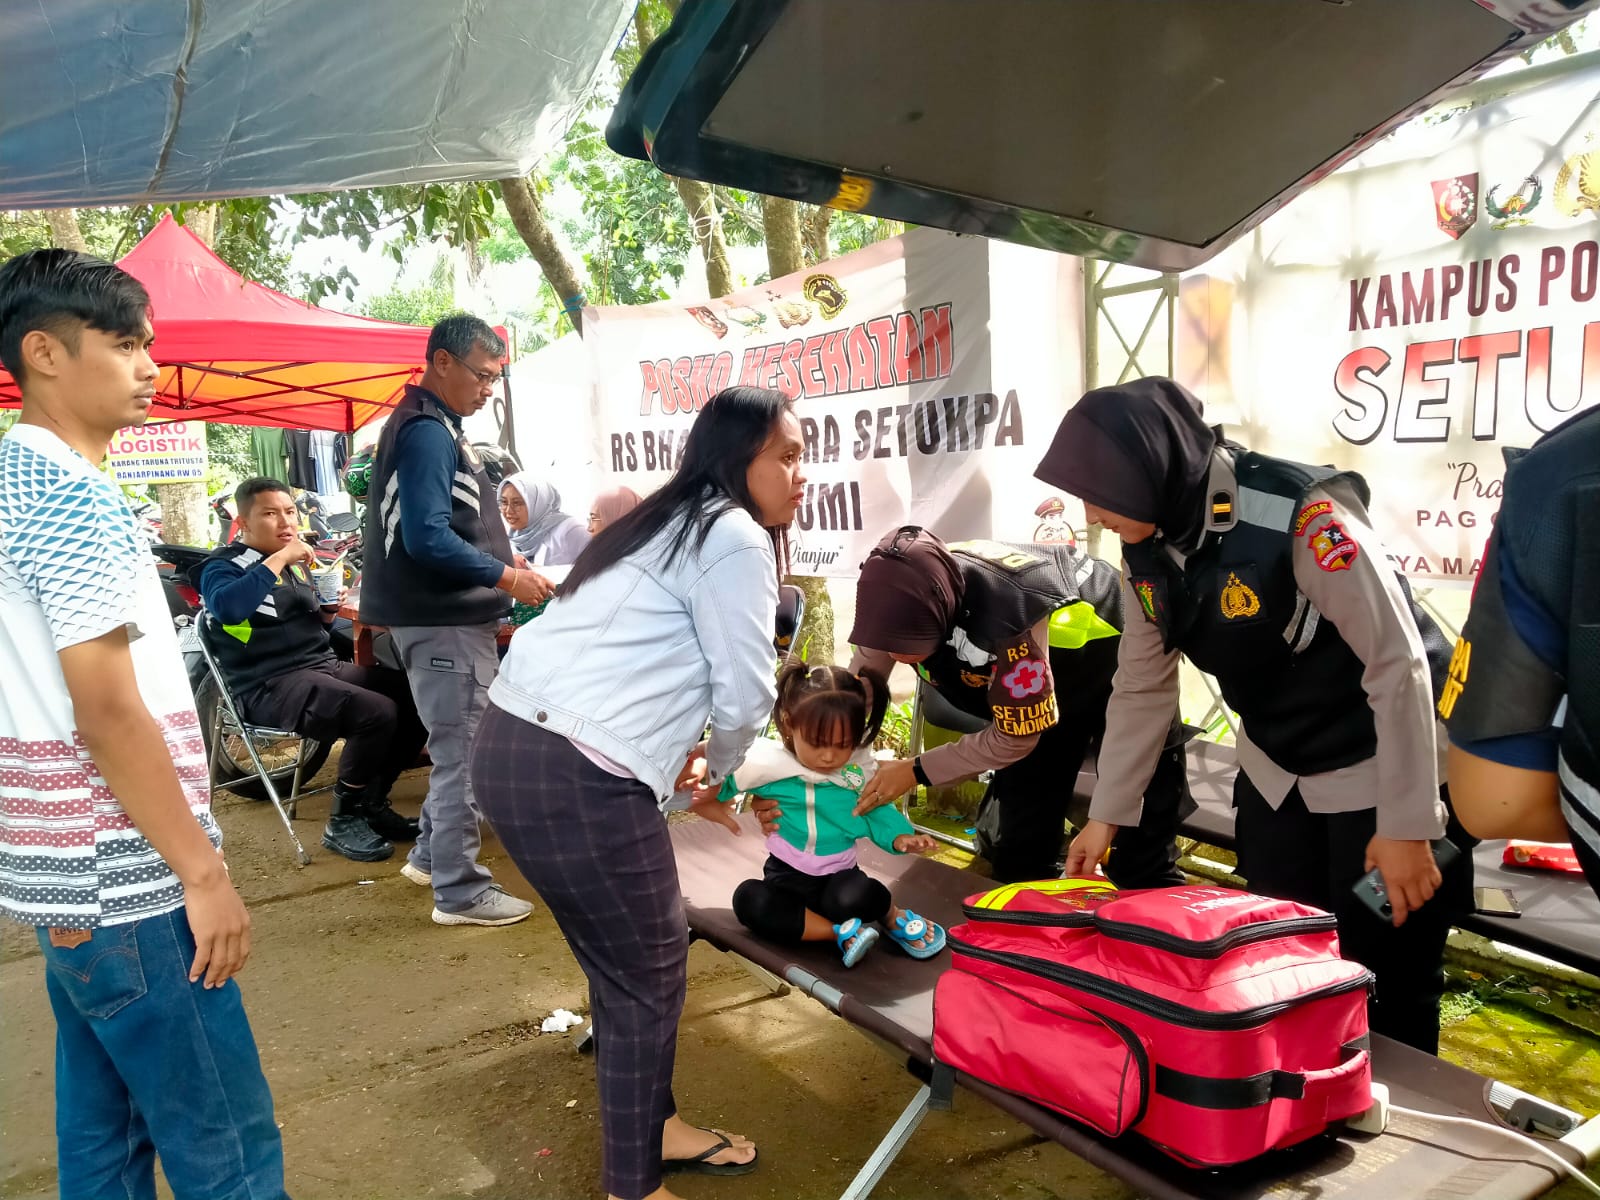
x=539 y=530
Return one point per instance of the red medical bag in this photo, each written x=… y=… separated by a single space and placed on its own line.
x=1216 y=1023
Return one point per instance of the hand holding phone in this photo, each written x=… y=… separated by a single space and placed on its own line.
x=1370 y=890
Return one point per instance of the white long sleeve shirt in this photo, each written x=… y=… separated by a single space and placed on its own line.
x=637 y=663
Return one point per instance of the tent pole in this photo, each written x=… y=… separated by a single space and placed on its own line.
x=508 y=429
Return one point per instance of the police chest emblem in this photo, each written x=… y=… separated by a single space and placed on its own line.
x=1239 y=599
x=977 y=679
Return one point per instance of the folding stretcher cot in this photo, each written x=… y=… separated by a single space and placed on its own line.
x=891 y=998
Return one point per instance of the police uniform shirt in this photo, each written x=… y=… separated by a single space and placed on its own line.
x=1020 y=694
x=1509 y=697
x=1343 y=574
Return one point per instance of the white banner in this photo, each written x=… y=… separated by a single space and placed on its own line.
x=169 y=452
x=929 y=372
x=1417 y=312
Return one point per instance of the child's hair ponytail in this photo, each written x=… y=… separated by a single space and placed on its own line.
x=829 y=706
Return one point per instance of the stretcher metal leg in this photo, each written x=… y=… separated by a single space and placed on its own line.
x=764 y=977
x=889 y=1149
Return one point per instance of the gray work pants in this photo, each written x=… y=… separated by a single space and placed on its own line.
x=450 y=668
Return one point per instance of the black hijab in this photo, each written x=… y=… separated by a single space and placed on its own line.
x=1141 y=450
x=908 y=594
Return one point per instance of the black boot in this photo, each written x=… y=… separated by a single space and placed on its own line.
x=385 y=822
x=348 y=832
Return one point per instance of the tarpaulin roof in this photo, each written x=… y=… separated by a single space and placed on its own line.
x=239 y=352
x=1153 y=134
x=125 y=101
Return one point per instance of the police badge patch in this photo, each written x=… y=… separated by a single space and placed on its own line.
x=1334 y=547
x=1146 y=591
x=1239 y=601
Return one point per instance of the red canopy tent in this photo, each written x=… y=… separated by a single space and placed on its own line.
x=238 y=352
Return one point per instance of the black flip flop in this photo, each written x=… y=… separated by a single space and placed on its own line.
x=699 y=1166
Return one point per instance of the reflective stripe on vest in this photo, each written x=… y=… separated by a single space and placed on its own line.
x=1073 y=627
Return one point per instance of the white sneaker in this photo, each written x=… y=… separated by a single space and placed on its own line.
x=494 y=907
x=417 y=876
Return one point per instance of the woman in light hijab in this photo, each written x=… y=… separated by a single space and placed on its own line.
x=539 y=530
x=611 y=506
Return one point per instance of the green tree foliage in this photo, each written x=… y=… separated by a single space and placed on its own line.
x=423 y=305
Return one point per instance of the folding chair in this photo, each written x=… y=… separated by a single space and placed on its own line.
x=227 y=722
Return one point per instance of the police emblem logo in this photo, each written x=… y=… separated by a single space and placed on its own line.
x=1146 y=591
x=1238 y=599
x=1334 y=547
x=1578 y=184
x=1517 y=205
x=1455 y=204
x=824 y=291
x=977 y=679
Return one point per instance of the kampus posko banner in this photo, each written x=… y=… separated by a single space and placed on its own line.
x=1417 y=313
x=928 y=373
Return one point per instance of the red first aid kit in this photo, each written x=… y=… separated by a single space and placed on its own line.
x=1216 y=1023
x=1541 y=856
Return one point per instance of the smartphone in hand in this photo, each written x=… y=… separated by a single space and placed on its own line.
x=1369 y=888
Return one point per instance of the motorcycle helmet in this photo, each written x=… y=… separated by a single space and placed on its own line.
x=499 y=464
x=358 y=474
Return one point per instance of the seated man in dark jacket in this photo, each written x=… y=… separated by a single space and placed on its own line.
x=269 y=633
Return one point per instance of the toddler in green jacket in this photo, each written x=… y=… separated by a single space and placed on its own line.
x=811 y=888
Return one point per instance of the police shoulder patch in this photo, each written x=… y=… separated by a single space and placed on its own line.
x=1334 y=548
x=1309 y=514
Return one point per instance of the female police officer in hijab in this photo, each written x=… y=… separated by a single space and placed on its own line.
x=1023 y=638
x=1266 y=573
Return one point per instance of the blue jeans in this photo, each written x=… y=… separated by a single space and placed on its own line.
x=148 y=1063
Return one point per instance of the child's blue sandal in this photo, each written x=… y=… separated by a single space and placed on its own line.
x=855 y=939
x=908 y=929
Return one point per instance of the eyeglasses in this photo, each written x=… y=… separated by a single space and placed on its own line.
x=486 y=378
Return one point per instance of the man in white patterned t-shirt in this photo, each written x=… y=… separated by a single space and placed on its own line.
x=107 y=843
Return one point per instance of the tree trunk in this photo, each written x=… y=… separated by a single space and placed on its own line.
x=816 y=233
x=706 y=223
x=815 y=639
x=698 y=200
x=202 y=222
x=64 y=231
x=183 y=505
x=1093 y=539
x=781 y=218
x=526 y=214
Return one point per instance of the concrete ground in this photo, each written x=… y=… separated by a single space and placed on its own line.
x=407 y=1062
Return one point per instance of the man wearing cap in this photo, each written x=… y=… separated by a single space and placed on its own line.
x=1024 y=637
